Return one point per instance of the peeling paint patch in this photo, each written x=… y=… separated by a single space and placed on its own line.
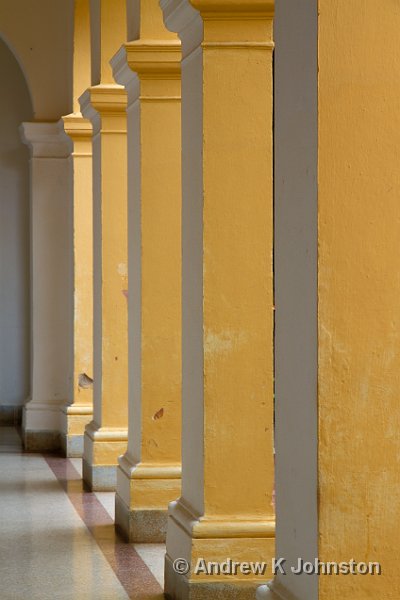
x=84 y=381
x=125 y=293
x=220 y=343
x=123 y=269
x=159 y=414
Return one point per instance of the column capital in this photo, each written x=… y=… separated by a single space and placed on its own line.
x=103 y=100
x=196 y=22
x=80 y=130
x=46 y=140
x=234 y=9
x=236 y=24
x=110 y=99
x=147 y=60
x=77 y=127
x=155 y=59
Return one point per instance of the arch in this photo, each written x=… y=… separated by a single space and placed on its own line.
x=42 y=42
x=17 y=58
x=15 y=107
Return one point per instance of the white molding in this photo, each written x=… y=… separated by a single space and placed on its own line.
x=124 y=75
x=89 y=112
x=274 y=590
x=279 y=592
x=77 y=409
x=42 y=416
x=46 y=140
x=201 y=527
x=140 y=470
x=181 y=18
x=103 y=434
x=54 y=405
x=264 y=592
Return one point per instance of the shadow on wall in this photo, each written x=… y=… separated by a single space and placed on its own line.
x=15 y=107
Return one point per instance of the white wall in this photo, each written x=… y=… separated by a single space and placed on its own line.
x=15 y=107
x=296 y=144
x=40 y=33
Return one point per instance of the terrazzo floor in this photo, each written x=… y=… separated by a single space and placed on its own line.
x=57 y=541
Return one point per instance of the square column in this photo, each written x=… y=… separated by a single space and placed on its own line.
x=149 y=474
x=51 y=284
x=226 y=508
x=77 y=413
x=106 y=436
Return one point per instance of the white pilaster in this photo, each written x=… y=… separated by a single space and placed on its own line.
x=51 y=283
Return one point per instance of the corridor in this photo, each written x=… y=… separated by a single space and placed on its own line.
x=199 y=300
x=58 y=542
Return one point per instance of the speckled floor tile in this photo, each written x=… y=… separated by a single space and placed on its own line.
x=58 y=541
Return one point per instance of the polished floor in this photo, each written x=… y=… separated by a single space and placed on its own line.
x=58 y=541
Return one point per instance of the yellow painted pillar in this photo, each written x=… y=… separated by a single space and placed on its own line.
x=105 y=106
x=226 y=508
x=77 y=413
x=359 y=294
x=149 y=473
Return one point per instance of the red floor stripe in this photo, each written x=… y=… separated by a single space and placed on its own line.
x=132 y=572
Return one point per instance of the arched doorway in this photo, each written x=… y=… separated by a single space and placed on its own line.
x=15 y=107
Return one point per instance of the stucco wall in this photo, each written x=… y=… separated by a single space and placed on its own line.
x=15 y=107
x=359 y=293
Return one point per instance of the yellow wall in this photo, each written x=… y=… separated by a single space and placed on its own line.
x=359 y=293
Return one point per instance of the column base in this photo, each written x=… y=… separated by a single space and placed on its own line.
x=41 y=426
x=99 y=478
x=102 y=447
x=179 y=587
x=140 y=526
x=201 y=540
x=144 y=491
x=41 y=441
x=10 y=415
x=74 y=419
x=71 y=445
